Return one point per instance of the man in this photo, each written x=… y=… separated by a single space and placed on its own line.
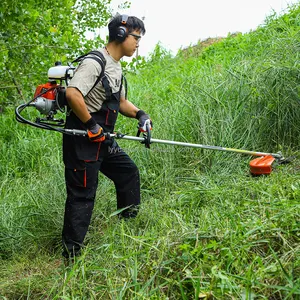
x=95 y=108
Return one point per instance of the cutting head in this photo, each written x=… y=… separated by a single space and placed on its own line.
x=261 y=165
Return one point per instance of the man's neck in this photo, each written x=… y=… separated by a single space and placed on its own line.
x=114 y=51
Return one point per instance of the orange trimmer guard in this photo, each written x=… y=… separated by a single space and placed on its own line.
x=262 y=165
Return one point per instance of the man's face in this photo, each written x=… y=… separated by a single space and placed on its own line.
x=131 y=43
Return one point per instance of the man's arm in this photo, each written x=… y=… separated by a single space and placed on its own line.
x=130 y=110
x=76 y=102
x=127 y=108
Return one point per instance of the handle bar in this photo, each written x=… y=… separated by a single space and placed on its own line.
x=146 y=139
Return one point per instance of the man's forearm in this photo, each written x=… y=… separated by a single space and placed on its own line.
x=76 y=102
x=128 y=109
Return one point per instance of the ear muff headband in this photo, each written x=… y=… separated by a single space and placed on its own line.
x=124 y=19
x=122 y=30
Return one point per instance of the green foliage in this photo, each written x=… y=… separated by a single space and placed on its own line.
x=35 y=34
x=248 y=83
x=206 y=228
x=134 y=65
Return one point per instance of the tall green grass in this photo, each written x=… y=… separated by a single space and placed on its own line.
x=206 y=228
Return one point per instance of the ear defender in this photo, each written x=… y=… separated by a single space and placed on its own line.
x=122 y=30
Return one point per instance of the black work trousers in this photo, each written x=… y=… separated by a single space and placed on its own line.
x=82 y=183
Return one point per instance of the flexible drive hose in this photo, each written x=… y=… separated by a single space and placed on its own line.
x=21 y=119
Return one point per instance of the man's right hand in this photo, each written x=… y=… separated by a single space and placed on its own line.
x=95 y=131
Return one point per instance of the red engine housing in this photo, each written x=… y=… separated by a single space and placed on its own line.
x=49 y=90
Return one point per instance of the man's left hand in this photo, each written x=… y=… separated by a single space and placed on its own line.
x=144 y=120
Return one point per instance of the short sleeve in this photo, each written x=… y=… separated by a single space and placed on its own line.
x=85 y=76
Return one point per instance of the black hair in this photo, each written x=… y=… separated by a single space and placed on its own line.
x=132 y=24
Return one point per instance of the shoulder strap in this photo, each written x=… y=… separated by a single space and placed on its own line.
x=99 y=57
x=125 y=85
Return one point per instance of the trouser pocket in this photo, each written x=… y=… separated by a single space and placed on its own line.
x=82 y=178
x=111 y=116
x=76 y=177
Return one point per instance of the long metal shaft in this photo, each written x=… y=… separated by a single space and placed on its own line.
x=168 y=142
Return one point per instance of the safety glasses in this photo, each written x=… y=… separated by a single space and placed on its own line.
x=137 y=37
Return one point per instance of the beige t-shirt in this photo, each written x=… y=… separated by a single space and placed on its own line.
x=86 y=75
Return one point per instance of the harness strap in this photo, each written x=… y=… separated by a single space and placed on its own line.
x=125 y=85
x=97 y=56
x=106 y=86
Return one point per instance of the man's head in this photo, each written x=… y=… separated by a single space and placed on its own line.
x=123 y=26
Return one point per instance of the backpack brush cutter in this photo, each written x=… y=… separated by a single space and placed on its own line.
x=49 y=98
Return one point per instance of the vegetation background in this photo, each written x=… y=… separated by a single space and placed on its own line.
x=206 y=228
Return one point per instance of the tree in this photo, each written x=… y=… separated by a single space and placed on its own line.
x=36 y=33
